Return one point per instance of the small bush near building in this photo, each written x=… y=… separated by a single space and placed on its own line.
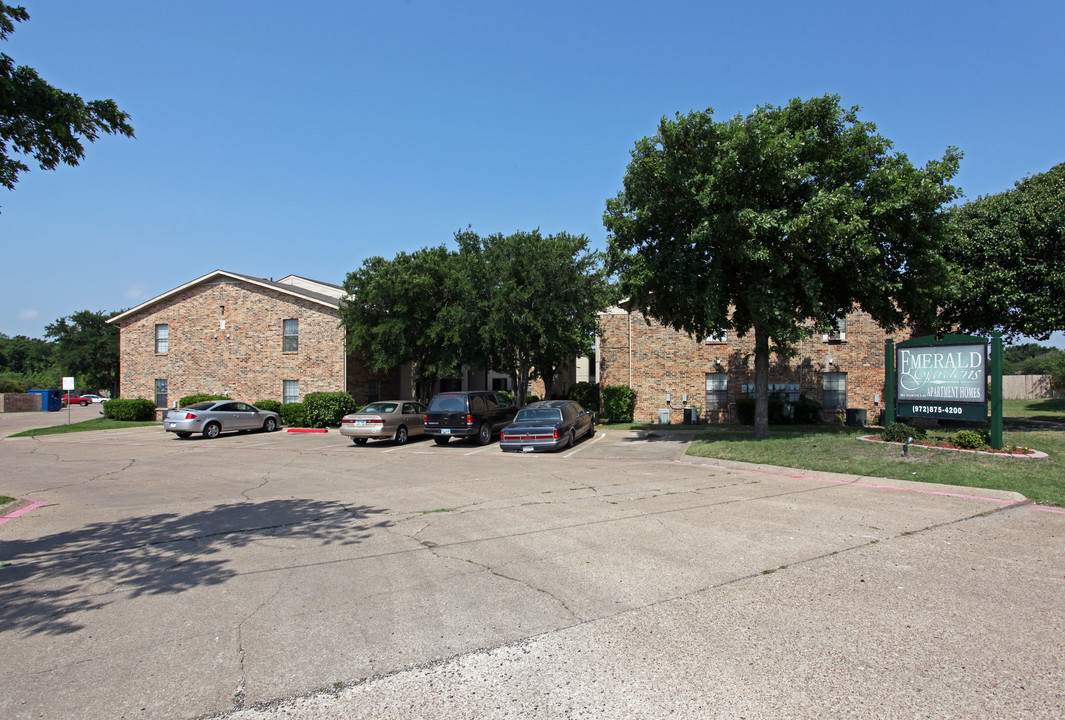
x=271 y=405
x=780 y=411
x=327 y=409
x=898 y=432
x=137 y=409
x=294 y=415
x=807 y=411
x=199 y=397
x=969 y=440
x=619 y=402
x=587 y=394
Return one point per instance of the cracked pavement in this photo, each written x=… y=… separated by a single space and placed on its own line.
x=282 y=575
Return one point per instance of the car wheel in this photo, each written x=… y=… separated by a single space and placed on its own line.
x=591 y=430
x=212 y=430
x=572 y=438
x=484 y=434
x=83 y=403
x=401 y=435
x=359 y=441
x=184 y=434
x=439 y=440
x=270 y=425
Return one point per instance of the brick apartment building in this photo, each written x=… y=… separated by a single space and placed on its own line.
x=669 y=370
x=246 y=337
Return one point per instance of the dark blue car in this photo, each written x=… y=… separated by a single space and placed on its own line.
x=547 y=425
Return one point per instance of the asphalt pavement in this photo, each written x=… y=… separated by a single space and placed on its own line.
x=299 y=576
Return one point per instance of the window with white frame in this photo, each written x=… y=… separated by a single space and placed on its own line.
x=835 y=391
x=290 y=391
x=160 y=392
x=162 y=339
x=717 y=391
x=291 y=335
x=717 y=337
x=837 y=332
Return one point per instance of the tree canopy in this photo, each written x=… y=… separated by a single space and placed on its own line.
x=778 y=223
x=1010 y=253
x=87 y=348
x=42 y=121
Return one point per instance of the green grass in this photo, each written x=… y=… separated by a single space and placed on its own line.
x=94 y=424
x=1052 y=410
x=4 y=499
x=837 y=449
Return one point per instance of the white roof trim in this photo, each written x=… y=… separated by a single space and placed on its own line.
x=288 y=288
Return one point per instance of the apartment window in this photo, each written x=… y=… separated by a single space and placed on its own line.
x=837 y=332
x=373 y=390
x=290 y=391
x=160 y=391
x=835 y=391
x=162 y=339
x=291 y=333
x=716 y=391
x=717 y=337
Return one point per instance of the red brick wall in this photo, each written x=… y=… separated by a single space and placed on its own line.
x=655 y=360
x=244 y=359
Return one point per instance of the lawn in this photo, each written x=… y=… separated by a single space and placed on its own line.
x=94 y=424
x=1048 y=410
x=837 y=449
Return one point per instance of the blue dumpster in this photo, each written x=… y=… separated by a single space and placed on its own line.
x=51 y=400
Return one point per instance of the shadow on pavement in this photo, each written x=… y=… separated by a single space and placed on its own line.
x=43 y=579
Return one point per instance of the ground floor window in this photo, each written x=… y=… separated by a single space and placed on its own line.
x=499 y=384
x=835 y=391
x=290 y=391
x=160 y=393
x=716 y=391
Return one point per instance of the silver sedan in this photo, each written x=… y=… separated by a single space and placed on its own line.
x=214 y=417
x=385 y=420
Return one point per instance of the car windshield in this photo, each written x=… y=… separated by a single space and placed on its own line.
x=380 y=407
x=447 y=403
x=539 y=414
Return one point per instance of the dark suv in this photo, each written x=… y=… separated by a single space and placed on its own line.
x=477 y=413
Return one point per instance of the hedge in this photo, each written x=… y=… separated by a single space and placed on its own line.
x=271 y=405
x=619 y=402
x=198 y=398
x=293 y=415
x=586 y=394
x=132 y=409
x=327 y=409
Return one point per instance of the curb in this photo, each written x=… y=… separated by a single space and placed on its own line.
x=307 y=430
x=1032 y=454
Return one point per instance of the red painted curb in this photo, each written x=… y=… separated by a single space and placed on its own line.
x=307 y=430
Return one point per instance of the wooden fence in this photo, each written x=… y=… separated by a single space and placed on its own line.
x=1027 y=387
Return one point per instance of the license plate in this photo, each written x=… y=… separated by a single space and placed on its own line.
x=445 y=431
x=527 y=448
x=360 y=422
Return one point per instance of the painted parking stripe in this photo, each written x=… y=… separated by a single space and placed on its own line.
x=22 y=511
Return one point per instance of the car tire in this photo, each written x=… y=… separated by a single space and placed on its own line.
x=83 y=403
x=212 y=430
x=183 y=434
x=591 y=430
x=572 y=438
x=441 y=440
x=401 y=435
x=359 y=441
x=270 y=425
x=484 y=434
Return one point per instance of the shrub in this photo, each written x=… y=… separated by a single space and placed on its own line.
x=807 y=411
x=132 y=409
x=271 y=405
x=619 y=402
x=199 y=397
x=293 y=415
x=969 y=439
x=327 y=409
x=506 y=395
x=898 y=432
x=778 y=410
x=587 y=394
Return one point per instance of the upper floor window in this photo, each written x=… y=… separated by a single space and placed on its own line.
x=837 y=332
x=718 y=337
x=162 y=339
x=291 y=333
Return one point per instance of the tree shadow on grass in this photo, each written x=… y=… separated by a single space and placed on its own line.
x=44 y=579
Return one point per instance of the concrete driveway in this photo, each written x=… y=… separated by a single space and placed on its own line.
x=296 y=575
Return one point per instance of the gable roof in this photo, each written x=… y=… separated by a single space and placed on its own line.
x=325 y=294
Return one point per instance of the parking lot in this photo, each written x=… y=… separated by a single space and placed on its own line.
x=297 y=575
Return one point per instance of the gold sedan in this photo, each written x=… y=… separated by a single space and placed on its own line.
x=395 y=420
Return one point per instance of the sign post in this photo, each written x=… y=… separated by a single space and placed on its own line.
x=68 y=385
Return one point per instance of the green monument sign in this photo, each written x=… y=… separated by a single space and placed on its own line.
x=945 y=379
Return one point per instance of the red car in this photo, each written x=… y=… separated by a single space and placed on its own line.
x=69 y=399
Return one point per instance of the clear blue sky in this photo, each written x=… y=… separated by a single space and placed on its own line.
x=278 y=137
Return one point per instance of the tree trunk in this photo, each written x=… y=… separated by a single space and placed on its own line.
x=761 y=383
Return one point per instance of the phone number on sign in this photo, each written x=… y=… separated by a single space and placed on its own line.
x=937 y=409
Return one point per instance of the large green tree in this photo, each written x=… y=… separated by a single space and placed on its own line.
x=1010 y=251
x=42 y=121
x=87 y=348
x=402 y=311
x=776 y=224
x=534 y=301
